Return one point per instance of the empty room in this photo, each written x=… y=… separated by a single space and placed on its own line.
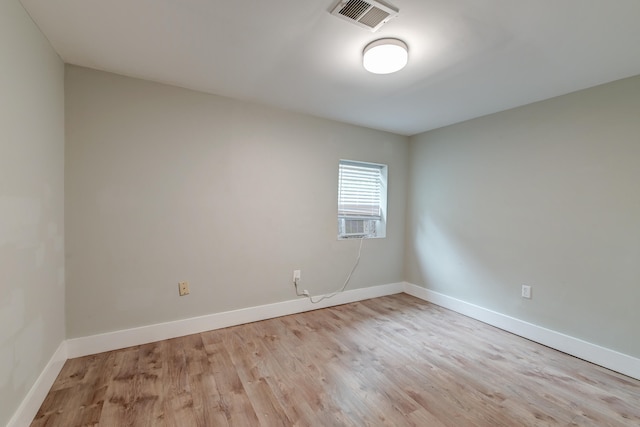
x=319 y=213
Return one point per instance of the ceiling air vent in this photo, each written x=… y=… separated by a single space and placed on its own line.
x=366 y=14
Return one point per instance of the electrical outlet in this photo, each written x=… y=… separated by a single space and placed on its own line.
x=296 y=276
x=526 y=291
x=183 y=288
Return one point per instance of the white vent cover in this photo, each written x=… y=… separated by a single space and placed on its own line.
x=366 y=14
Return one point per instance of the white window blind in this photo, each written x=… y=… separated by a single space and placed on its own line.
x=359 y=190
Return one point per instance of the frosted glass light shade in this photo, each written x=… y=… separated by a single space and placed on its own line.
x=385 y=56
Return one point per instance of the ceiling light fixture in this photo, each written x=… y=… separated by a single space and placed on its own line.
x=385 y=56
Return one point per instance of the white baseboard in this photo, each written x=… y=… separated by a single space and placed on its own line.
x=33 y=400
x=93 y=344
x=593 y=353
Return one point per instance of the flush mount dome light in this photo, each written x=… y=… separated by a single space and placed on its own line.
x=385 y=56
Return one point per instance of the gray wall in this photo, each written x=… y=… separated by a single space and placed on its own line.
x=546 y=195
x=164 y=184
x=31 y=204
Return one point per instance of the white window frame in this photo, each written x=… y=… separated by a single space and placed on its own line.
x=362 y=199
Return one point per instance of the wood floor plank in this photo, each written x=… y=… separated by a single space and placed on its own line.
x=148 y=384
x=390 y=361
x=207 y=402
x=234 y=401
x=247 y=356
x=120 y=397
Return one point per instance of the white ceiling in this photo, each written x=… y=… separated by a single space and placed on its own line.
x=467 y=58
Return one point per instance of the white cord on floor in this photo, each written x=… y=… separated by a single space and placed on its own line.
x=344 y=286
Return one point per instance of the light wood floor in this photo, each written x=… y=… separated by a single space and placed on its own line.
x=391 y=361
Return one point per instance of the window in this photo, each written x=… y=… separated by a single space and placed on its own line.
x=362 y=199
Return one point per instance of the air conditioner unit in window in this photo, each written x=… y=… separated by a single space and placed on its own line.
x=357 y=227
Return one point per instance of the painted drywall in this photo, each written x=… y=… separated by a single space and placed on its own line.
x=31 y=205
x=545 y=195
x=164 y=185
